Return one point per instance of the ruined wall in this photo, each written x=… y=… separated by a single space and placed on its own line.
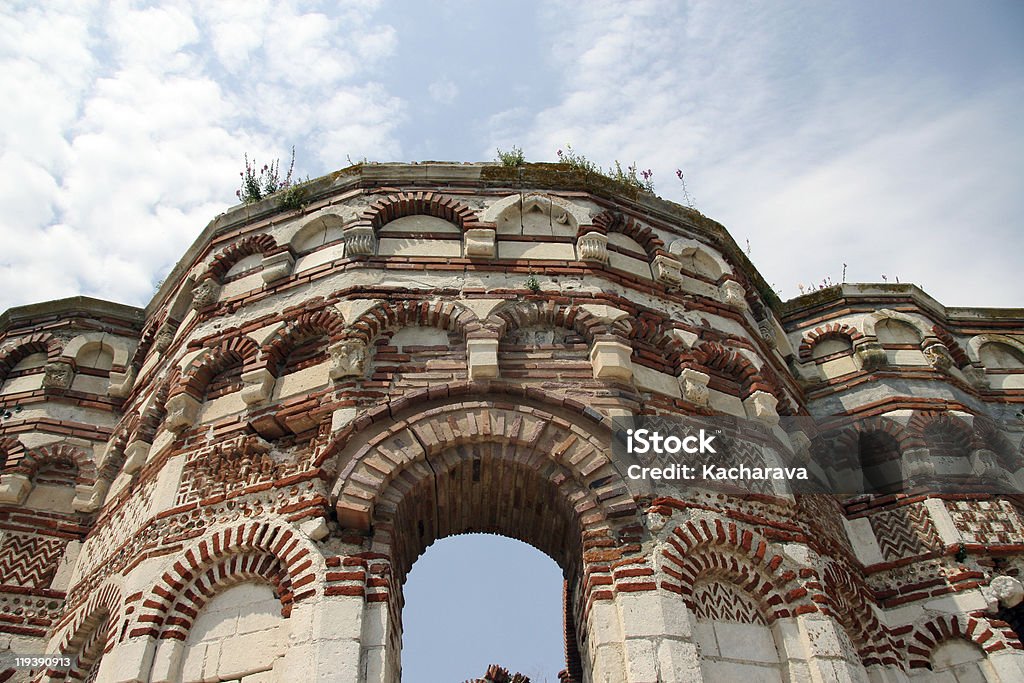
x=233 y=484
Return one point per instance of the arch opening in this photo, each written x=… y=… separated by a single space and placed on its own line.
x=474 y=489
x=484 y=600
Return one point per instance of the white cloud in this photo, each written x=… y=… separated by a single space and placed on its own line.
x=129 y=124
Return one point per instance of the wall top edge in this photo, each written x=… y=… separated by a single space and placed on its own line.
x=71 y=307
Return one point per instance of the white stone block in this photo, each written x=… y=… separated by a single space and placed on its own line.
x=750 y=642
x=277 y=266
x=667 y=269
x=641 y=661
x=653 y=614
x=862 y=539
x=248 y=654
x=136 y=454
x=348 y=359
x=483 y=358
x=359 y=241
x=694 y=386
x=258 y=385
x=182 y=411
x=762 y=406
x=593 y=247
x=733 y=294
x=14 y=488
x=480 y=243
x=315 y=529
x=612 y=360
x=647 y=379
x=167 y=661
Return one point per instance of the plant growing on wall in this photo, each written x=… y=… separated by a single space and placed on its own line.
x=512 y=158
x=258 y=183
x=631 y=176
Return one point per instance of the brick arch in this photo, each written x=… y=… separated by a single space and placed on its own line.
x=956 y=352
x=403 y=204
x=277 y=554
x=848 y=601
x=239 y=350
x=722 y=361
x=543 y=441
x=41 y=342
x=926 y=637
x=422 y=399
x=86 y=626
x=444 y=315
x=33 y=460
x=247 y=246
x=654 y=345
x=511 y=316
x=990 y=436
x=229 y=572
x=924 y=420
x=326 y=322
x=849 y=437
x=613 y=221
x=743 y=558
x=830 y=331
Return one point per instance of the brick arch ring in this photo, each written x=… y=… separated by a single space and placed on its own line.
x=273 y=554
x=927 y=637
x=739 y=555
x=378 y=458
x=81 y=628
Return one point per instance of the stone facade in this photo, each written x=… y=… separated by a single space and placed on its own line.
x=233 y=483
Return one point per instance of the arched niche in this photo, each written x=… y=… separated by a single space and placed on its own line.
x=25 y=375
x=698 y=260
x=997 y=355
x=320 y=230
x=536 y=214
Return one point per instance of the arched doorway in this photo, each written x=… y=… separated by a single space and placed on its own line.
x=517 y=470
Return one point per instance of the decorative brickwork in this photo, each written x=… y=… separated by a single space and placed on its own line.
x=239 y=487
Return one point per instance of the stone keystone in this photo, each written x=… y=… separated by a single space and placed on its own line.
x=593 y=247
x=121 y=383
x=694 y=386
x=258 y=385
x=667 y=270
x=480 y=243
x=761 y=405
x=359 y=241
x=182 y=411
x=205 y=293
x=348 y=359
x=733 y=294
x=14 y=488
x=612 y=360
x=135 y=455
x=277 y=266
x=483 y=358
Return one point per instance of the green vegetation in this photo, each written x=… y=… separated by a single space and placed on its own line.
x=513 y=158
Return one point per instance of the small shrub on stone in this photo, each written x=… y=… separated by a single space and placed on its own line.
x=513 y=158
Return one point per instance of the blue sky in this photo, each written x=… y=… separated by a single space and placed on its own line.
x=878 y=134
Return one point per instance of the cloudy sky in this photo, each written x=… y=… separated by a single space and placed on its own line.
x=877 y=134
